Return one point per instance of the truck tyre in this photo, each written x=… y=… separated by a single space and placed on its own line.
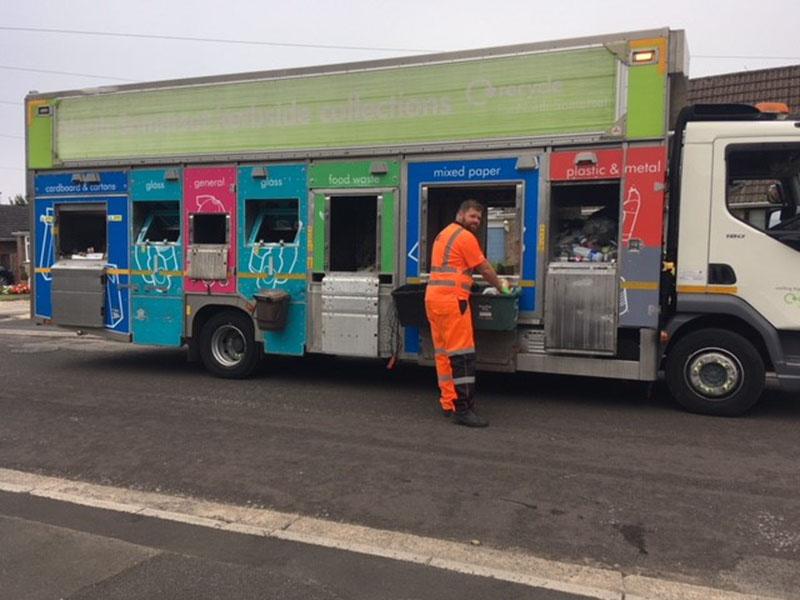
x=715 y=372
x=227 y=345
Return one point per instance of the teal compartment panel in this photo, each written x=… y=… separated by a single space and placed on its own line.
x=156 y=184
x=157 y=270
x=291 y=340
x=156 y=266
x=273 y=181
x=275 y=266
x=157 y=321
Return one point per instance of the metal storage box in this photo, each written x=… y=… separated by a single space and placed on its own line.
x=79 y=292
x=272 y=309
x=581 y=308
x=350 y=314
x=208 y=262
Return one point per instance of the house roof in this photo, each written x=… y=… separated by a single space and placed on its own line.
x=13 y=219
x=781 y=84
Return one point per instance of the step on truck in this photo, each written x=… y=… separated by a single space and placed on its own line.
x=291 y=212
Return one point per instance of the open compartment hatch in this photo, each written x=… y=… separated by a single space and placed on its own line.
x=79 y=274
x=81 y=231
x=499 y=235
x=353 y=233
x=272 y=221
x=584 y=222
x=156 y=222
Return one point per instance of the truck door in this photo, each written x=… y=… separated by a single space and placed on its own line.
x=82 y=255
x=273 y=219
x=354 y=257
x=157 y=257
x=754 y=244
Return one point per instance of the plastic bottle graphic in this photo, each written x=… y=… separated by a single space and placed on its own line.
x=630 y=208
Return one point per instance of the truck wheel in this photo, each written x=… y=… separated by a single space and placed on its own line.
x=715 y=372
x=227 y=345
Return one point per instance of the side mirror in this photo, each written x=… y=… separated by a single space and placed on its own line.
x=773 y=217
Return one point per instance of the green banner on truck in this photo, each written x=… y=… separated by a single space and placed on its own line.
x=568 y=91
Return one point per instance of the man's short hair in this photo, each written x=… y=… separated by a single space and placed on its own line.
x=470 y=204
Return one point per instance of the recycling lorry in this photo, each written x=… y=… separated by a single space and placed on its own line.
x=293 y=211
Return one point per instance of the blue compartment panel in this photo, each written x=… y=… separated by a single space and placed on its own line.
x=472 y=172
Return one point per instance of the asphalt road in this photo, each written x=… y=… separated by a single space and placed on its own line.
x=580 y=470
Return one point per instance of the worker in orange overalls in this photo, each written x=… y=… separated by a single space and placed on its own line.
x=456 y=253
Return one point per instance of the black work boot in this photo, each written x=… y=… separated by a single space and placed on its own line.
x=468 y=418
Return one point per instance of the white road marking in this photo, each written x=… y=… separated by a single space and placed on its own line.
x=513 y=566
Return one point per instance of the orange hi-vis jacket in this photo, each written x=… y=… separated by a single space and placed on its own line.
x=455 y=253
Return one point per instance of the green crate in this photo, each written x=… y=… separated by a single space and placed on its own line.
x=495 y=313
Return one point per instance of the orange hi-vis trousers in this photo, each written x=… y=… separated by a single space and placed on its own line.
x=454 y=349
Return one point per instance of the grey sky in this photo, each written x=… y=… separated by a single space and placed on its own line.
x=732 y=28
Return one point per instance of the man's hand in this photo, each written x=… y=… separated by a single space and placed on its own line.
x=504 y=289
x=490 y=275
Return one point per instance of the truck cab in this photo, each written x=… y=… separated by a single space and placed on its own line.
x=735 y=238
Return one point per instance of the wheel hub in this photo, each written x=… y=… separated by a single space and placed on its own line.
x=714 y=373
x=228 y=345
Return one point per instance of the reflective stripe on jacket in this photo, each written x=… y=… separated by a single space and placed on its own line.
x=455 y=253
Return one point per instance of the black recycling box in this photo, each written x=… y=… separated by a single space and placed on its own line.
x=409 y=299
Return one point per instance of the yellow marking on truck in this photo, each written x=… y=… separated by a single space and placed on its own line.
x=542 y=237
x=708 y=289
x=166 y=273
x=525 y=283
x=44 y=271
x=294 y=276
x=118 y=271
x=650 y=286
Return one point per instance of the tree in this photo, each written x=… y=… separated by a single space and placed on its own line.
x=19 y=200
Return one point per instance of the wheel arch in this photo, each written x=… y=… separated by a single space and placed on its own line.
x=701 y=311
x=203 y=308
x=682 y=327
